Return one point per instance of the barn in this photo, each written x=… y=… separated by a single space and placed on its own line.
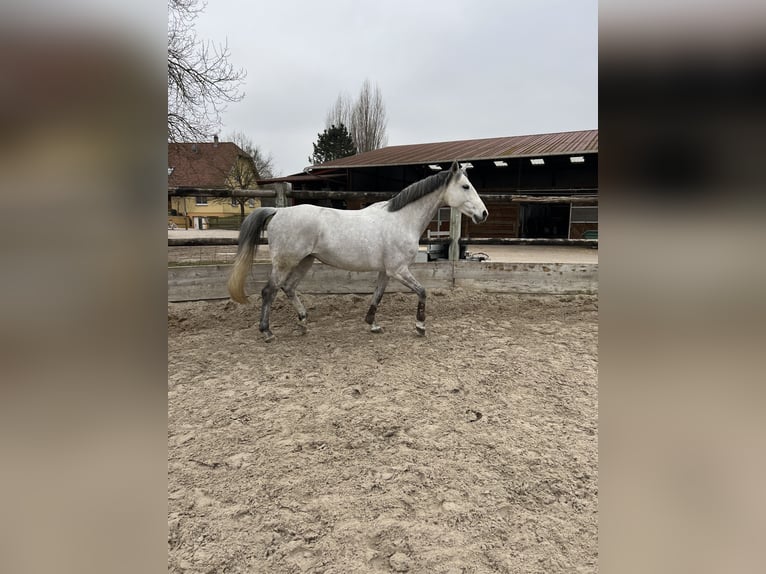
x=542 y=186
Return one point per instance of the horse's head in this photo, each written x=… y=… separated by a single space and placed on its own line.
x=461 y=195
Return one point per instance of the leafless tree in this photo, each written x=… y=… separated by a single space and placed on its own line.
x=365 y=118
x=340 y=113
x=264 y=163
x=201 y=80
x=242 y=174
x=368 y=119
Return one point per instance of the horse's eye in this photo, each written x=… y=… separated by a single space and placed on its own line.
x=465 y=186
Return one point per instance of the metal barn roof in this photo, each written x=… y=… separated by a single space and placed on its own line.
x=473 y=150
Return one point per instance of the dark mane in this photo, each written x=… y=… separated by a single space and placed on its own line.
x=419 y=189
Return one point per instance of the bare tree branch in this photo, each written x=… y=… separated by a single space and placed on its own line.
x=242 y=174
x=340 y=113
x=264 y=163
x=368 y=119
x=201 y=80
x=365 y=118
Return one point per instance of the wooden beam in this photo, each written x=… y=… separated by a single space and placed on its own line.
x=525 y=241
x=282 y=189
x=455 y=221
x=367 y=195
x=202 y=241
x=213 y=241
x=298 y=194
x=208 y=282
x=220 y=192
x=370 y=195
x=515 y=198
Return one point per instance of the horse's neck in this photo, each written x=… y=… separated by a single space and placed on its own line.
x=424 y=209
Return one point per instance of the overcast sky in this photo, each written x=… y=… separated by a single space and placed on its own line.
x=447 y=69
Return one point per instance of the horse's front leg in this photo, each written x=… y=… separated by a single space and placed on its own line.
x=408 y=280
x=376 y=297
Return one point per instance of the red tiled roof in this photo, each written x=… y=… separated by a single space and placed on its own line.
x=473 y=150
x=206 y=167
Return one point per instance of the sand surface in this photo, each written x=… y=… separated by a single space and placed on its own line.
x=470 y=450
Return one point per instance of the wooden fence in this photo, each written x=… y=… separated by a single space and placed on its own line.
x=588 y=195
x=281 y=195
x=189 y=283
x=202 y=282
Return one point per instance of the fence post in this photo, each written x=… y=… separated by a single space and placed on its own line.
x=281 y=197
x=455 y=221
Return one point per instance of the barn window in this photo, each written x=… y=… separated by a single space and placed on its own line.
x=584 y=214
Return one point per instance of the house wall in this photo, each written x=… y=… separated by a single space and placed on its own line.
x=219 y=207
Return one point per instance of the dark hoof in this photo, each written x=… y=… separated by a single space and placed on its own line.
x=268 y=337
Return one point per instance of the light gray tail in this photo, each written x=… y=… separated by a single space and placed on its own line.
x=249 y=234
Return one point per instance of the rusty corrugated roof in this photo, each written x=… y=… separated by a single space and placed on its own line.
x=473 y=150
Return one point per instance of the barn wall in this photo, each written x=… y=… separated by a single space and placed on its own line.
x=576 y=230
x=557 y=177
x=503 y=221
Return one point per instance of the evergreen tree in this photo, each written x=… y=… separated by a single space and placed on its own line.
x=333 y=143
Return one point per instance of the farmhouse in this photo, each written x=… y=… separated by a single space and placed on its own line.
x=542 y=186
x=206 y=166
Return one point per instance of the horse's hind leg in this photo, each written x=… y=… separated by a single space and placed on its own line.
x=291 y=282
x=268 y=293
x=376 y=297
x=408 y=280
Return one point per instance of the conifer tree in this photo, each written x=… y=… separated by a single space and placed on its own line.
x=335 y=142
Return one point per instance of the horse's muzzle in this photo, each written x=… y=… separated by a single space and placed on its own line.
x=480 y=218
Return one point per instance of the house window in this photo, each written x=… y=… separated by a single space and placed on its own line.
x=251 y=202
x=234 y=202
x=201 y=200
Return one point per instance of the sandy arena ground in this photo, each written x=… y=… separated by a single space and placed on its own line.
x=470 y=450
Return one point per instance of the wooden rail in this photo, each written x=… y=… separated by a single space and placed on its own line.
x=206 y=282
x=213 y=241
x=579 y=195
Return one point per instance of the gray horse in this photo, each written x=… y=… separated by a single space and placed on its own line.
x=382 y=237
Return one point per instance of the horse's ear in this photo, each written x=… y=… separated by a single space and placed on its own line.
x=455 y=168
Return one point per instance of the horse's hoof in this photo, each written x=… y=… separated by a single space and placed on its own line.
x=268 y=337
x=421 y=329
x=376 y=329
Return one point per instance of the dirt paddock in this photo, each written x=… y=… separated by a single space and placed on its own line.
x=470 y=450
